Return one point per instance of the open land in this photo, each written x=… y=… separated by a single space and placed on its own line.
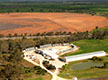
x=85 y=47
x=33 y=23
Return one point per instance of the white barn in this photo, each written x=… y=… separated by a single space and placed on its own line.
x=50 y=53
x=85 y=56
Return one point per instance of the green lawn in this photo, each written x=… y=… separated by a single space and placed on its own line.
x=89 y=45
x=33 y=76
x=39 y=78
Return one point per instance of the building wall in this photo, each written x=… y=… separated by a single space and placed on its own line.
x=85 y=56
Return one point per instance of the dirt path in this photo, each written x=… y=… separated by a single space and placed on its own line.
x=41 y=58
x=6 y=38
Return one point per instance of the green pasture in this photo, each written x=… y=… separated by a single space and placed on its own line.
x=39 y=78
x=81 y=69
x=86 y=65
x=89 y=45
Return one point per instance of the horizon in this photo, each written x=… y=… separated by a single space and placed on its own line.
x=53 y=0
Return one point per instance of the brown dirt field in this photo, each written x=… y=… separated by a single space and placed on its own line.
x=33 y=23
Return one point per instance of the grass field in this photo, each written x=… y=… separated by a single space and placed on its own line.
x=89 y=45
x=85 y=47
x=39 y=78
x=86 y=73
x=33 y=76
x=86 y=65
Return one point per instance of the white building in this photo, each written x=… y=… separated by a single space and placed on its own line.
x=50 y=53
x=85 y=56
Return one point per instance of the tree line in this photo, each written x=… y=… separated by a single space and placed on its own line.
x=11 y=51
x=38 y=34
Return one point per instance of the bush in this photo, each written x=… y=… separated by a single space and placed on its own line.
x=28 y=70
x=95 y=58
x=45 y=63
x=41 y=71
x=37 y=67
x=48 y=66
x=106 y=65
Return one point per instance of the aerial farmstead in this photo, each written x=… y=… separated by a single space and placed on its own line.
x=50 y=53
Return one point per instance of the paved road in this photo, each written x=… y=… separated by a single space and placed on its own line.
x=6 y=38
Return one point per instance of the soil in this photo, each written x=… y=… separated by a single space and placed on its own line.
x=33 y=23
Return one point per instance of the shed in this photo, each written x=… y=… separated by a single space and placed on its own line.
x=85 y=56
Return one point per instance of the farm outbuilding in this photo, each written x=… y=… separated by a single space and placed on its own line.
x=50 y=53
x=85 y=56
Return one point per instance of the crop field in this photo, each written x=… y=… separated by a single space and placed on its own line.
x=75 y=7
x=33 y=23
x=86 y=65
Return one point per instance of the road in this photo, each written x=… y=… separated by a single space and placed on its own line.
x=6 y=38
x=41 y=58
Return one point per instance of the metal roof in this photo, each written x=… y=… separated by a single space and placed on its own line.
x=85 y=56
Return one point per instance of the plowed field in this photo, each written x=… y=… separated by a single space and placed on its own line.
x=33 y=23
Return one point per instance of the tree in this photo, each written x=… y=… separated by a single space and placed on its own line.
x=43 y=34
x=17 y=10
x=95 y=58
x=10 y=35
x=1 y=59
x=50 y=33
x=24 y=38
x=15 y=35
x=69 y=33
x=4 y=46
x=57 y=33
x=1 y=35
x=64 y=33
x=32 y=9
x=38 y=34
x=12 y=71
x=21 y=34
x=48 y=66
x=106 y=65
x=25 y=34
x=16 y=56
x=30 y=34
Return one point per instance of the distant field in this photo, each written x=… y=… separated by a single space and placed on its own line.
x=74 y=7
x=33 y=23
